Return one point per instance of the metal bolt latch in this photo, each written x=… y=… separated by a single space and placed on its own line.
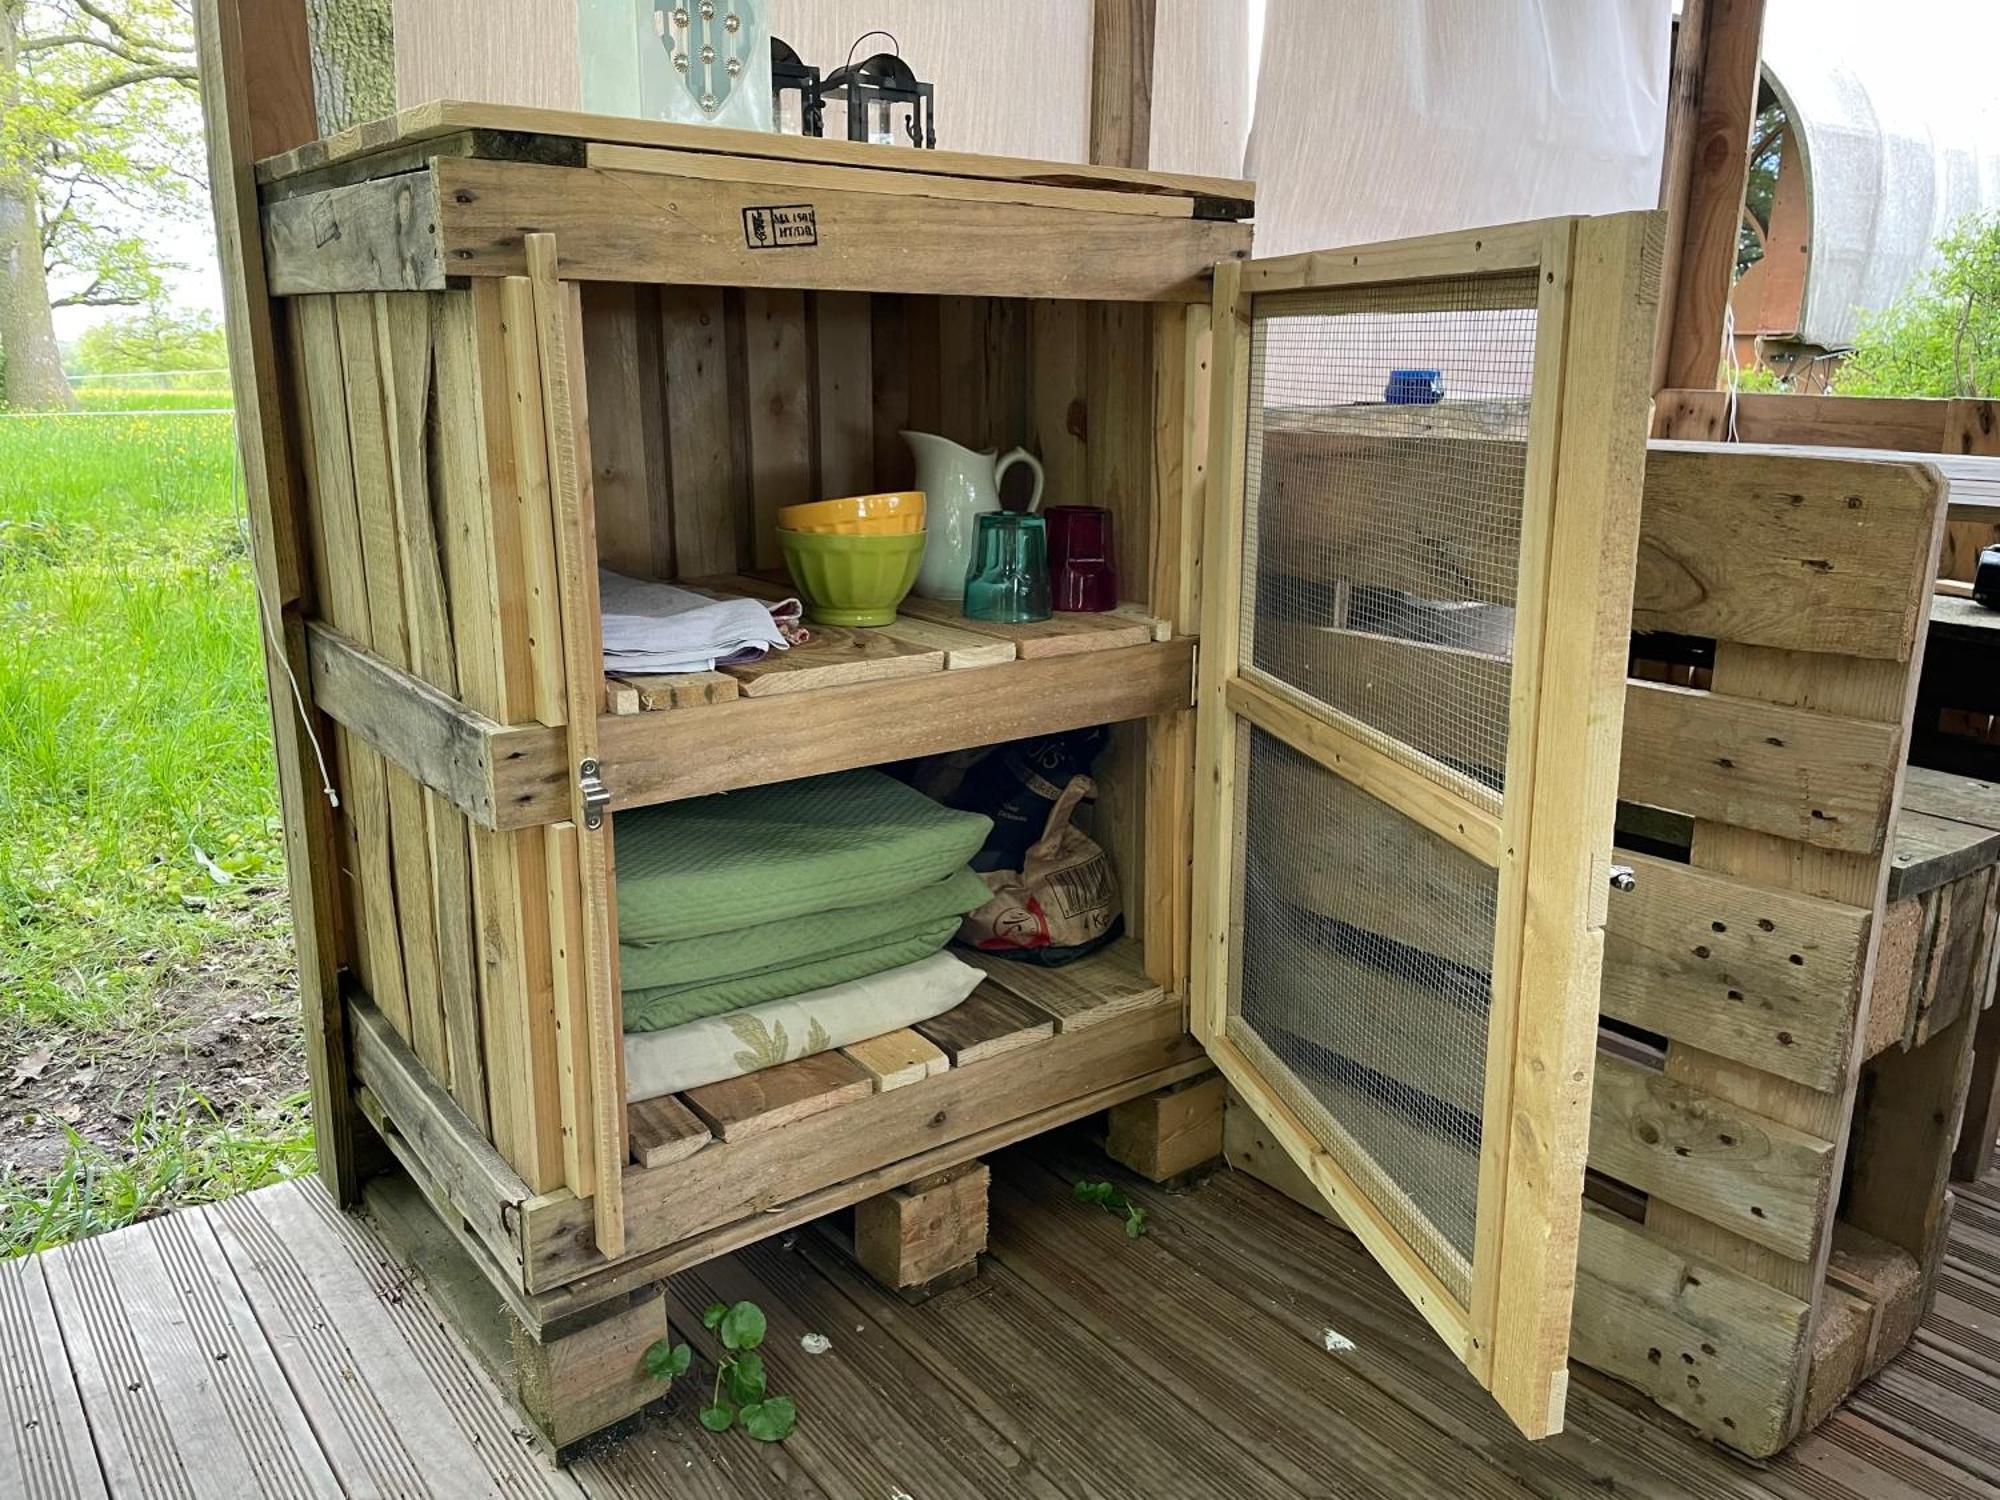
x=596 y=796
x=1622 y=878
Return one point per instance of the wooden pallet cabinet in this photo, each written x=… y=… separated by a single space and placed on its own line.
x=505 y=345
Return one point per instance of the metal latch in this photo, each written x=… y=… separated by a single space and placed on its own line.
x=1622 y=878
x=596 y=796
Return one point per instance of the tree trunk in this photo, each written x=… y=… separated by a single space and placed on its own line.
x=35 y=378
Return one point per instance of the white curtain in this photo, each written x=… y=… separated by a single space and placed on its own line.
x=1377 y=119
x=1373 y=118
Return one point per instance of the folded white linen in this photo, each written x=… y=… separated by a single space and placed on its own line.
x=762 y=1036
x=661 y=627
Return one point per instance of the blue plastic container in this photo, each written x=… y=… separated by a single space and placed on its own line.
x=1414 y=388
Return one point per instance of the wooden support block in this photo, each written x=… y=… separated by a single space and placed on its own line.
x=1886 y=1278
x=738 y=1108
x=664 y=1130
x=896 y=1059
x=583 y=1382
x=1839 y=1351
x=1900 y=956
x=1169 y=1133
x=923 y=1238
x=987 y=1023
x=1249 y=1148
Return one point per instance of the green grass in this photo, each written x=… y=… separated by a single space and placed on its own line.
x=106 y=398
x=177 y=1156
x=137 y=808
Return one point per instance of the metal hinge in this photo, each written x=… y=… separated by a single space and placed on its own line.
x=596 y=796
x=1194 y=675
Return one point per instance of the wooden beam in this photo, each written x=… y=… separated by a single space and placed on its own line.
x=459 y=1163
x=379 y=236
x=1121 y=82
x=653 y=226
x=1727 y=89
x=1677 y=167
x=249 y=112
x=595 y=1011
x=436 y=738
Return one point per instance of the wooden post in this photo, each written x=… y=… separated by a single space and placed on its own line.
x=257 y=100
x=1169 y=1133
x=1121 y=82
x=1702 y=264
x=921 y=1239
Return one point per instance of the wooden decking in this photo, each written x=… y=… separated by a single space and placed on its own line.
x=272 y=1346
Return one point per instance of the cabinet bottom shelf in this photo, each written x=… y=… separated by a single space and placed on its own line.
x=1030 y=1050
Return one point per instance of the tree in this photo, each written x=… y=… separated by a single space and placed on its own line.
x=1942 y=336
x=157 y=339
x=97 y=137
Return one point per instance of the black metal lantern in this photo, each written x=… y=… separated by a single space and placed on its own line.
x=874 y=89
x=788 y=71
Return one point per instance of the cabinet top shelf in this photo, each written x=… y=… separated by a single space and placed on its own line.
x=553 y=129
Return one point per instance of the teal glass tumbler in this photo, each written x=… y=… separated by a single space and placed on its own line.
x=1008 y=579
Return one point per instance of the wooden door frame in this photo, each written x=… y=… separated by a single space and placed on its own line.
x=1597 y=285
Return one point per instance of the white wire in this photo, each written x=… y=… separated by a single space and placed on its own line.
x=276 y=645
x=1735 y=364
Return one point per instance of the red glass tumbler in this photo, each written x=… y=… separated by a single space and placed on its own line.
x=1082 y=577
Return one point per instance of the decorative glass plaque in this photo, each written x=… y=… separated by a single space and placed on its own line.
x=695 y=62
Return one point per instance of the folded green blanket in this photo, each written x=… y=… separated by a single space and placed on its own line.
x=744 y=951
x=671 y=1005
x=711 y=864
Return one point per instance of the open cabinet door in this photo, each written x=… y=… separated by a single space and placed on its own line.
x=1413 y=651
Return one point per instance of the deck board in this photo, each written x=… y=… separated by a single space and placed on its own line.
x=1079 y=1364
x=183 y=1394
x=44 y=1440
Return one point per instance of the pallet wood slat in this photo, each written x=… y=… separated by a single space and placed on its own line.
x=373 y=453
x=739 y=1109
x=1819 y=777
x=897 y=1059
x=621 y=229
x=1708 y=1343
x=1771 y=977
x=1817 y=555
x=599 y=1115
x=1759 y=1177
x=988 y=1023
x=1086 y=992
x=663 y=1131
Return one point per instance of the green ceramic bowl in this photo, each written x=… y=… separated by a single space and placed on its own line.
x=851 y=580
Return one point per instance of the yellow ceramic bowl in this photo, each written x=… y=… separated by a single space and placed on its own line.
x=898 y=513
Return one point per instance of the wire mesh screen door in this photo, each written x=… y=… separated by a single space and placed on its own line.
x=1429 y=458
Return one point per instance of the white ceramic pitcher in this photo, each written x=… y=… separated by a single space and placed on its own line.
x=958 y=484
